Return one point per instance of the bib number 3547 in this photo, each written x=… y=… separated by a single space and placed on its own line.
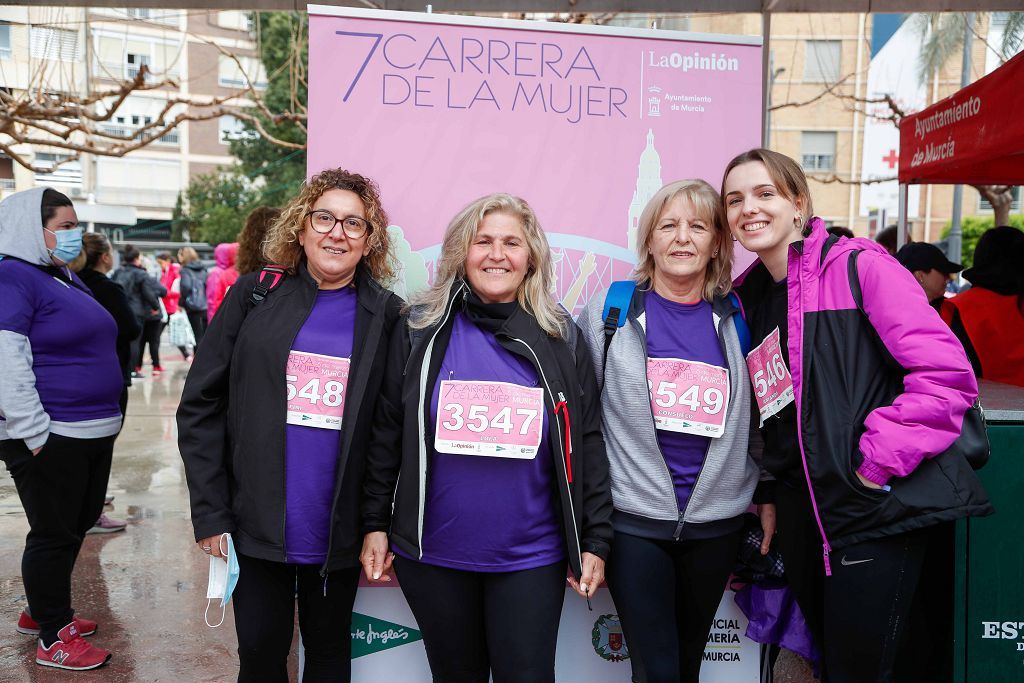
x=496 y=419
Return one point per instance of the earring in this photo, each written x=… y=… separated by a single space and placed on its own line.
x=798 y=221
x=715 y=255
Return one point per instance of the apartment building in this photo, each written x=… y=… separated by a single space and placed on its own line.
x=90 y=51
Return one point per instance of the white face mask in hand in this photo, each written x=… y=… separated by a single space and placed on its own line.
x=223 y=577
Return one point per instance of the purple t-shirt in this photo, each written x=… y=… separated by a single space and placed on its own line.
x=489 y=514
x=73 y=339
x=685 y=331
x=311 y=453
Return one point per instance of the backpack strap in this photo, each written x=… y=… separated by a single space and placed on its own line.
x=269 y=279
x=742 y=329
x=616 y=308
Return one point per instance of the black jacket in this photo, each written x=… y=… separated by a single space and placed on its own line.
x=111 y=296
x=398 y=460
x=231 y=419
x=143 y=291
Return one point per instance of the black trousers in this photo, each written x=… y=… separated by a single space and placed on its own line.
x=197 y=319
x=150 y=335
x=478 y=623
x=264 y=603
x=62 y=490
x=859 y=615
x=666 y=594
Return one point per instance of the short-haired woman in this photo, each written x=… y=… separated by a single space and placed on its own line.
x=274 y=421
x=488 y=441
x=676 y=410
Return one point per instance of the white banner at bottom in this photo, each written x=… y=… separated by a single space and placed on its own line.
x=387 y=645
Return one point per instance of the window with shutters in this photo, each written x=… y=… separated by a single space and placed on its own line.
x=69 y=173
x=53 y=43
x=984 y=206
x=818 y=150
x=821 y=63
x=232 y=74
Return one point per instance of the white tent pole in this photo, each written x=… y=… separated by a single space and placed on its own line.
x=901 y=231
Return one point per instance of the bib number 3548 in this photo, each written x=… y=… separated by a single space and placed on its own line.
x=316 y=389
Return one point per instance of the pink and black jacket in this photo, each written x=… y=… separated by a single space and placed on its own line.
x=889 y=413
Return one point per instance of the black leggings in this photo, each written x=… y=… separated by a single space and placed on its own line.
x=666 y=594
x=198 y=321
x=264 y=604
x=476 y=623
x=150 y=335
x=62 y=491
x=859 y=615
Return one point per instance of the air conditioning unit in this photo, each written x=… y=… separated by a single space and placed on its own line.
x=77 y=192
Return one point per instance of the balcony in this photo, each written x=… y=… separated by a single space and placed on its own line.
x=7 y=185
x=126 y=131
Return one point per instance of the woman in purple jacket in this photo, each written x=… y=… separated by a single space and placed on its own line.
x=862 y=391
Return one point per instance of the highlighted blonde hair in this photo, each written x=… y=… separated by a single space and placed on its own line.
x=282 y=247
x=708 y=205
x=534 y=293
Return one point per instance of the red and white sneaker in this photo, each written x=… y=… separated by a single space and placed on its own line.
x=71 y=652
x=29 y=627
x=157 y=371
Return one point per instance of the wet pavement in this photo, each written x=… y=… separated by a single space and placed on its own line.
x=146 y=586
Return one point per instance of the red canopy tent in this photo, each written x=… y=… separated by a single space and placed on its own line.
x=975 y=136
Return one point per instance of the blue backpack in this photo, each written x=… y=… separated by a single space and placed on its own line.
x=616 y=308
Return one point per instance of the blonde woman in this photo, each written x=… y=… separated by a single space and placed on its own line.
x=274 y=418
x=488 y=440
x=676 y=409
x=193 y=290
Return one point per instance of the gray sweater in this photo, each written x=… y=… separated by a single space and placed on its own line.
x=642 y=488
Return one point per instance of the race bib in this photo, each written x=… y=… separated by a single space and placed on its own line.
x=316 y=389
x=687 y=396
x=773 y=385
x=496 y=419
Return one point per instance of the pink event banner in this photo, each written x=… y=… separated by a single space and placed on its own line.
x=585 y=123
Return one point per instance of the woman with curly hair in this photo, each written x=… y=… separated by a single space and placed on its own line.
x=250 y=241
x=274 y=419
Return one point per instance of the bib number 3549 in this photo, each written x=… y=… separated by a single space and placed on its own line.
x=688 y=396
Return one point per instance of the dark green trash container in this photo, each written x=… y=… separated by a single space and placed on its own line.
x=989 y=608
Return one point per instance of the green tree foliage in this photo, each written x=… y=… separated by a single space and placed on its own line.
x=267 y=174
x=973 y=227
x=284 y=48
x=218 y=204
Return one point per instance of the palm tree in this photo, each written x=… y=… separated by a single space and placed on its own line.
x=942 y=37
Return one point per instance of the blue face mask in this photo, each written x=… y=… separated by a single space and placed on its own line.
x=223 y=578
x=69 y=244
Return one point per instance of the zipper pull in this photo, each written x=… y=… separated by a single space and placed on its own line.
x=828 y=567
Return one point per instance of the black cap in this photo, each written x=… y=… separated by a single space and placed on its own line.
x=997 y=261
x=925 y=256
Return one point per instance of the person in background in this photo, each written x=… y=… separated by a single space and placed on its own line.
x=193 y=290
x=144 y=293
x=887 y=238
x=221 y=277
x=680 y=489
x=275 y=419
x=59 y=392
x=484 y=523
x=250 y=240
x=170 y=274
x=840 y=230
x=859 y=442
x=93 y=265
x=992 y=310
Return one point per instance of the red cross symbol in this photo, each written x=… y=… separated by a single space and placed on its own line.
x=891 y=159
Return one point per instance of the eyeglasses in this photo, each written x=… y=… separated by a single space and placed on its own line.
x=323 y=221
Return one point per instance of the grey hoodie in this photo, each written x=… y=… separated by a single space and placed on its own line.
x=642 y=489
x=21 y=237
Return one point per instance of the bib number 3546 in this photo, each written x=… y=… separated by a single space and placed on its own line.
x=773 y=385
